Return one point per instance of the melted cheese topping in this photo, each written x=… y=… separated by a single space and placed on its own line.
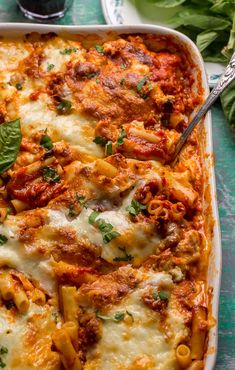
x=15 y=255
x=139 y=239
x=138 y=339
x=28 y=338
x=76 y=130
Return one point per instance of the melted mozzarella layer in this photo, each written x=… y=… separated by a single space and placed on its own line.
x=127 y=343
x=19 y=334
x=11 y=53
x=139 y=239
x=14 y=254
x=72 y=128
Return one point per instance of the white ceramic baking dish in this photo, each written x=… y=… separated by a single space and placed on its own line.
x=214 y=271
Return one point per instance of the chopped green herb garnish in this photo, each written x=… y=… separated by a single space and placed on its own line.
x=109 y=148
x=126 y=257
x=155 y=295
x=102 y=317
x=8 y=211
x=64 y=106
x=3 y=350
x=46 y=142
x=100 y=49
x=123 y=66
x=122 y=81
x=119 y=316
x=9 y=304
x=97 y=81
x=19 y=86
x=130 y=314
x=72 y=213
x=2 y=364
x=50 y=174
x=163 y=295
x=50 y=67
x=135 y=208
x=110 y=236
x=104 y=227
x=100 y=140
x=91 y=75
x=93 y=217
x=150 y=87
x=121 y=137
x=68 y=51
x=141 y=84
x=3 y=239
x=81 y=199
x=55 y=317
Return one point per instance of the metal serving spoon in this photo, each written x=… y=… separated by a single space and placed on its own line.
x=227 y=77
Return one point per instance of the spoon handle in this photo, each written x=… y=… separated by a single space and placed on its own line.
x=227 y=77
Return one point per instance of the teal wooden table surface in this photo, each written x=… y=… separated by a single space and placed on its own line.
x=89 y=12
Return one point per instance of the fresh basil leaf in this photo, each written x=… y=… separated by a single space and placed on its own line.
x=213 y=52
x=200 y=21
x=167 y=3
x=228 y=103
x=64 y=106
x=50 y=174
x=109 y=148
x=93 y=217
x=119 y=316
x=205 y=38
x=125 y=257
x=46 y=142
x=100 y=140
x=3 y=239
x=110 y=236
x=226 y=7
x=121 y=137
x=10 y=139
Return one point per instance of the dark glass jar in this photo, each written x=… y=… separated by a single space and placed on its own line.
x=44 y=9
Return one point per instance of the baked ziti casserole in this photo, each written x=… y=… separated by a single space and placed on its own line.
x=104 y=244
